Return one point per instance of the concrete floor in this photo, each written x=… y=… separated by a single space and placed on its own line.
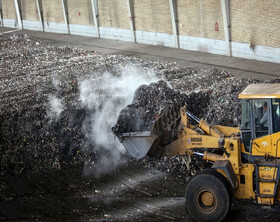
x=243 y=68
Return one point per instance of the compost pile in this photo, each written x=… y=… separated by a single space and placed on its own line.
x=42 y=118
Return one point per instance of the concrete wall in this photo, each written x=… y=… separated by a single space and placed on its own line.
x=152 y=16
x=114 y=20
x=80 y=16
x=53 y=16
x=9 y=14
x=9 y=11
x=113 y=14
x=257 y=22
x=201 y=18
x=29 y=15
x=200 y=26
x=29 y=10
x=254 y=25
x=153 y=22
x=255 y=29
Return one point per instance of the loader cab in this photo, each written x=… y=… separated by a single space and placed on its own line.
x=260 y=115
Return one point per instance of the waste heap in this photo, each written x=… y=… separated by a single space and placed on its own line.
x=150 y=101
x=212 y=95
x=30 y=141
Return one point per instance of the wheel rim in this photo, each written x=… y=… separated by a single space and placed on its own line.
x=206 y=201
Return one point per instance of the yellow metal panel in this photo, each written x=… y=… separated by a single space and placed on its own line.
x=267 y=173
x=201 y=141
x=245 y=191
x=261 y=146
x=208 y=129
x=233 y=148
x=275 y=144
x=267 y=145
x=259 y=96
x=227 y=131
x=267 y=188
x=184 y=117
x=178 y=147
x=266 y=200
x=261 y=91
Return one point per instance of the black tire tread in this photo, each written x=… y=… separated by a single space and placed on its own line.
x=217 y=179
x=214 y=172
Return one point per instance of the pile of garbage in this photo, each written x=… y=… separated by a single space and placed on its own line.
x=212 y=95
x=42 y=119
x=150 y=101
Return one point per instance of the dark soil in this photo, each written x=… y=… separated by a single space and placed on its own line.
x=132 y=193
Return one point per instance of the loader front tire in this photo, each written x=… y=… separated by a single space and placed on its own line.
x=207 y=197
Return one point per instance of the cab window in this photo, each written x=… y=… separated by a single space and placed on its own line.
x=261 y=117
x=246 y=123
x=275 y=115
x=246 y=115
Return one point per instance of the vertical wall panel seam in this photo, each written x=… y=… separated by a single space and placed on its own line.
x=173 y=13
x=94 y=7
x=131 y=19
x=65 y=15
x=40 y=15
x=226 y=21
x=1 y=15
x=18 y=13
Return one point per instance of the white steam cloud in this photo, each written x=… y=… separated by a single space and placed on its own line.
x=56 y=83
x=105 y=97
x=55 y=107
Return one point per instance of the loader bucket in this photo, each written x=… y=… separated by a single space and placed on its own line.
x=140 y=144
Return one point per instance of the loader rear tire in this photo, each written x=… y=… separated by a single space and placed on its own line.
x=207 y=197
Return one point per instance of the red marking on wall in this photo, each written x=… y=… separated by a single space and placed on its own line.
x=130 y=18
x=217 y=27
x=79 y=13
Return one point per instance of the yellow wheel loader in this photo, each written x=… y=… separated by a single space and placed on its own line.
x=245 y=159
